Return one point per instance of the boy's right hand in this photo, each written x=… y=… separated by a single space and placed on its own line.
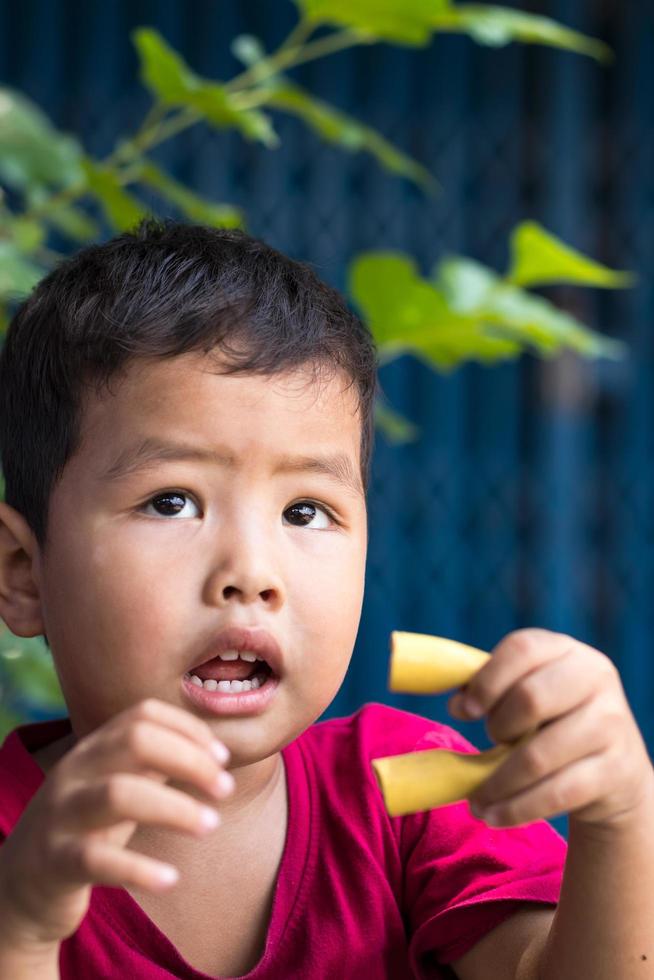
x=74 y=831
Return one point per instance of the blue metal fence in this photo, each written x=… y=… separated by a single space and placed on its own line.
x=528 y=499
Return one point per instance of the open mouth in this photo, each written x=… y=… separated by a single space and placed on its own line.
x=230 y=676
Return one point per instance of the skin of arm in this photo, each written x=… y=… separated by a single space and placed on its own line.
x=602 y=926
x=31 y=962
x=588 y=758
x=25 y=966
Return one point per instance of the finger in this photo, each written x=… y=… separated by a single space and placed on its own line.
x=571 y=788
x=177 y=719
x=147 y=746
x=516 y=656
x=122 y=796
x=93 y=861
x=554 y=746
x=547 y=692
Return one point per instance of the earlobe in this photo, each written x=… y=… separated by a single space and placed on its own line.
x=20 y=601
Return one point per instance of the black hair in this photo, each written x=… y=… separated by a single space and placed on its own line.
x=162 y=289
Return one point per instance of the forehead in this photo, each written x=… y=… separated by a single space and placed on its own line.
x=189 y=400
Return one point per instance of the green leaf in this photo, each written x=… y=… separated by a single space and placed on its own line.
x=407 y=22
x=122 y=209
x=162 y=70
x=466 y=284
x=466 y=313
x=397 y=429
x=28 y=234
x=539 y=259
x=173 y=83
x=337 y=127
x=18 y=275
x=497 y=26
x=514 y=314
x=414 y=22
x=28 y=672
x=206 y=212
x=32 y=149
x=407 y=314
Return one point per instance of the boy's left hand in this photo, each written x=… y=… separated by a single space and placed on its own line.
x=589 y=758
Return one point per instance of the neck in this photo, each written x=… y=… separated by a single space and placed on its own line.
x=260 y=789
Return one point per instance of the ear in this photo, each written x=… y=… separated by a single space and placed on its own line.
x=20 y=600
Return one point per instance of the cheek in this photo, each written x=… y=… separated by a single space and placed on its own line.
x=122 y=603
x=144 y=589
x=326 y=609
x=329 y=579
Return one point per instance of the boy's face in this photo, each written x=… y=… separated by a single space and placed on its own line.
x=131 y=587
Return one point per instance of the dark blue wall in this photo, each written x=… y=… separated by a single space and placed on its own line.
x=528 y=499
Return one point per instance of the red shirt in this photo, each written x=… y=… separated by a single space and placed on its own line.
x=358 y=893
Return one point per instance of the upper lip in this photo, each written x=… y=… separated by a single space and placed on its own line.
x=245 y=638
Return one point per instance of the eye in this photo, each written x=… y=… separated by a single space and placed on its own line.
x=168 y=502
x=306 y=510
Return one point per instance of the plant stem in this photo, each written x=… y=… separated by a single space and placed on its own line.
x=147 y=138
x=150 y=123
x=70 y=194
x=66 y=196
x=300 y=33
x=289 y=58
x=156 y=129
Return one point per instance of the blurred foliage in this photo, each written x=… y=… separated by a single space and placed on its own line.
x=463 y=311
x=479 y=314
x=28 y=682
x=414 y=22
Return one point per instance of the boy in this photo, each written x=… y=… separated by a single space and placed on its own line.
x=186 y=428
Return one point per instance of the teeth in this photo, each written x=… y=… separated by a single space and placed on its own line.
x=244 y=655
x=229 y=687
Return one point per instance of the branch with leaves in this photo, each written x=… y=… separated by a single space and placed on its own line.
x=463 y=311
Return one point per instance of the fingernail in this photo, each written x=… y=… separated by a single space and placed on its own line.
x=225 y=782
x=209 y=817
x=471 y=708
x=167 y=874
x=220 y=751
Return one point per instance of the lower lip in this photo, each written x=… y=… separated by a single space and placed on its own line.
x=243 y=703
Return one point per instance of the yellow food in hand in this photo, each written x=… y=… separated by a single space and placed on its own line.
x=435 y=777
x=424 y=664
x=415 y=781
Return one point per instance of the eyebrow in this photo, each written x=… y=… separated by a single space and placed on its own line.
x=151 y=451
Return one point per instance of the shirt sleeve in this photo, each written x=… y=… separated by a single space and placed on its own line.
x=462 y=878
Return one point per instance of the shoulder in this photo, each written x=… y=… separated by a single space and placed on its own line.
x=378 y=729
x=20 y=773
x=338 y=754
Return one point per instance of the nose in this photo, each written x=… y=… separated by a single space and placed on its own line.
x=245 y=572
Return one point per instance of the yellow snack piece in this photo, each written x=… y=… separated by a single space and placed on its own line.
x=415 y=781
x=424 y=780
x=424 y=664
